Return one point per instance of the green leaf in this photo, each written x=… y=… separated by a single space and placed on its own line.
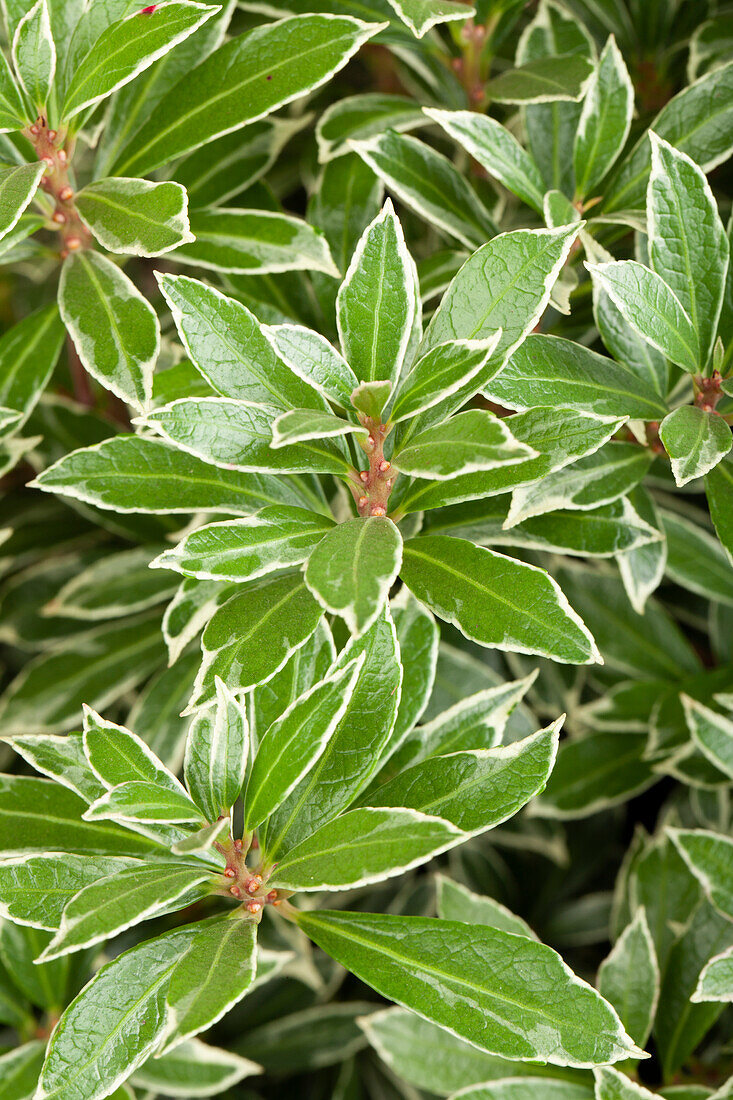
x=351 y=756
x=716 y=979
x=228 y=345
x=18 y=185
x=35 y=888
x=629 y=978
x=115 y=331
x=244 y=80
x=505 y=285
x=352 y=569
x=543 y=80
x=43 y=984
x=560 y=435
x=471 y=441
x=47 y=696
x=612 y=1085
x=19 y=1070
x=695 y=441
x=135 y=474
x=194 y=1069
x=34 y=53
x=364 y=846
x=213 y=975
x=605 y=120
x=431 y=1057
x=549 y=370
x=295 y=741
x=237 y=436
x=421 y=15
x=711 y=732
x=494 y=600
x=600 y=478
x=359 y=117
x=300 y=425
x=708 y=856
x=49 y=819
x=696 y=560
x=129 y=46
x=370 y=398
x=445 y=369
x=471 y=982
x=217 y=751
x=186 y=616
x=597 y=532
x=203 y=840
x=682 y=1024
x=642 y=567
x=430 y=184
x=456 y=902
x=116 y=1021
x=105 y=908
x=688 y=246
x=651 y=308
x=476 y=789
x=418 y=639
x=116 y=755
x=141 y=801
x=135 y=217
x=375 y=308
x=28 y=354
x=252 y=635
x=697 y=121
x=251 y=242
x=118 y=584
x=243 y=550
x=496 y=150
x=719 y=492
x=477 y=721
x=13 y=112
x=627 y=346
x=594 y=772
x=310 y=356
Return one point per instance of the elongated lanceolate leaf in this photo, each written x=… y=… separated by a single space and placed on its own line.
x=243 y=550
x=295 y=741
x=709 y=856
x=217 y=753
x=445 y=369
x=244 y=80
x=604 y=121
x=35 y=888
x=128 y=47
x=495 y=601
x=504 y=993
x=695 y=440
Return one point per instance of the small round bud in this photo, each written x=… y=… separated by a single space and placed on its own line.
x=364 y=476
x=253 y=884
x=52 y=135
x=272 y=896
x=363 y=501
x=384 y=466
x=254 y=906
x=66 y=193
x=278 y=902
x=370 y=440
x=63 y=156
x=238 y=845
x=35 y=130
x=235 y=891
x=378 y=510
x=59 y=217
x=230 y=872
x=73 y=243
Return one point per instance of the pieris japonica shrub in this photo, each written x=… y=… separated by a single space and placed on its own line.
x=366 y=550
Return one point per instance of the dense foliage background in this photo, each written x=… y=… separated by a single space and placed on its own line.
x=509 y=226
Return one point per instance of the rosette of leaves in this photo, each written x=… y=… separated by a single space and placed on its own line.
x=286 y=408
x=334 y=792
